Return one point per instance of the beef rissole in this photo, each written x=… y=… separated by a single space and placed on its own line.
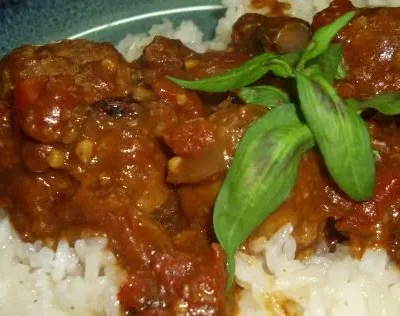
x=91 y=144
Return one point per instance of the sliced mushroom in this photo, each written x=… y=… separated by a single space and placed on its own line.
x=254 y=33
x=288 y=34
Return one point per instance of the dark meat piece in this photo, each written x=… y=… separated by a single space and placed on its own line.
x=164 y=52
x=96 y=70
x=254 y=33
x=163 y=56
x=47 y=83
x=371 y=49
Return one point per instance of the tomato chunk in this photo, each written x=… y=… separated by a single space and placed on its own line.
x=187 y=103
x=190 y=138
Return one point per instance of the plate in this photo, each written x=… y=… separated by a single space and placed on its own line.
x=39 y=22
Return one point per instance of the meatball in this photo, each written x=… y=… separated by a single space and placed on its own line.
x=46 y=83
x=371 y=49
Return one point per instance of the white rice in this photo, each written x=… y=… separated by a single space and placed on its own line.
x=84 y=279
x=35 y=280
x=327 y=284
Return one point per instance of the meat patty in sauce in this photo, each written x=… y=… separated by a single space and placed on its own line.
x=91 y=144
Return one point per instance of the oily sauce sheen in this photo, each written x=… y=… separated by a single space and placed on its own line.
x=94 y=145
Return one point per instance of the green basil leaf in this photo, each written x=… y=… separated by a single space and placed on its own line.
x=261 y=177
x=341 y=135
x=267 y=96
x=241 y=76
x=388 y=104
x=329 y=61
x=322 y=38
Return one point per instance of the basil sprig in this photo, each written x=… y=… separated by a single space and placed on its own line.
x=261 y=177
x=267 y=96
x=241 y=76
x=265 y=165
x=342 y=136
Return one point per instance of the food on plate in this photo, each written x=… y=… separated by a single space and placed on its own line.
x=261 y=160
